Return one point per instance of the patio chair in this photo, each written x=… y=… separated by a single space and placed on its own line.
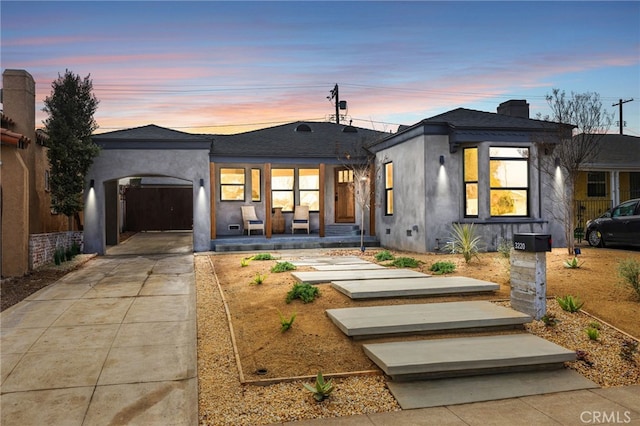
x=251 y=221
x=300 y=219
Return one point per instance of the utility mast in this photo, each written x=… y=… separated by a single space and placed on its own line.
x=339 y=104
x=620 y=103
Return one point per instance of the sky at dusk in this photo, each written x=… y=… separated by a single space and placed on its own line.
x=228 y=67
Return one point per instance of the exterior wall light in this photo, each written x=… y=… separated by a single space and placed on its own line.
x=442 y=160
x=201 y=182
x=92 y=182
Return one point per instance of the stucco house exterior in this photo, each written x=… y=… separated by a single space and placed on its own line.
x=611 y=178
x=30 y=230
x=467 y=166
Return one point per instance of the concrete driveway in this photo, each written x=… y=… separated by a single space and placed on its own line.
x=111 y=343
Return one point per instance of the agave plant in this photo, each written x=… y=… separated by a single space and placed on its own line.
x=464 y=240
x=569 y=303
x=321 y=389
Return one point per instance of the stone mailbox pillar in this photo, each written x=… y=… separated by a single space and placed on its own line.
x=529 y=273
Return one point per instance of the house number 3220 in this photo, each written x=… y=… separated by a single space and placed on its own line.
x=518 y=245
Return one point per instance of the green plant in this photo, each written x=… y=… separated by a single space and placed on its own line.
x=56 y=257
x=550 y=320
x=259 y=279
x=593 y=333
x=383 y=255
x=569 y=303
x=628 y=350
x=573 y=263
x=321 y=389
x=303 y=291
x=464 y=240
x=286 y=323
x=443 y=267
x=504 y=247
x=629 y=270
x=245 y=261
x=283 y=267
x=404 y=262
x=68 y=254
x=263 y=256
x=75 y=249
x=595 y=324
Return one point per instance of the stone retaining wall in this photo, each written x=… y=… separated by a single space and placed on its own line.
x=43 y=246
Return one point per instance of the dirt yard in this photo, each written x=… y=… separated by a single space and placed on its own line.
x=315 y=344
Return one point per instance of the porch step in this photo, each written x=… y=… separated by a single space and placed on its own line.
x=467 y=356
x=395 y=320
x=341 y=229
x=318 y=277
x=412 y=287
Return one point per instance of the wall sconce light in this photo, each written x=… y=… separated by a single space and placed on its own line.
x=92 y=183
x=557 y=162
x=201 y=182
x=442 y=160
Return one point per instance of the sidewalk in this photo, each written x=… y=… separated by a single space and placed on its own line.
x=111 y=343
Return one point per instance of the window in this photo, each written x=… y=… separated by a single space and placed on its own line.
x=309 y=187
x=388 y=189
x=509 y=181
x=596 y=184
x=282 y=181
x=625 y=209
x=345 y=176
x=255 y=185
x=232 y=184
x=471 y=182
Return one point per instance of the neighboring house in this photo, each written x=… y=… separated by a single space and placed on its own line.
x=467 y=166
x=293 y=164
x=30 y=229
x=610 y=179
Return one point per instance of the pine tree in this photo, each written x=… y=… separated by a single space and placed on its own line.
x=70 y=125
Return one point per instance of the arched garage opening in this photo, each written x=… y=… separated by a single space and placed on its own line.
x=175 y=167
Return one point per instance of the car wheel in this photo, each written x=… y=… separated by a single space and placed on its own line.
x=595 y=239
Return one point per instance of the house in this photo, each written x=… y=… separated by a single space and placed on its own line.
x=611 y=178
x=467 y=166
x=30 y=230
x=272 y=169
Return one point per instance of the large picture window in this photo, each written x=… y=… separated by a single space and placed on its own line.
x=309 y=187
x=509 y=181
x=282 y=181
x=388 y=189
x=232 y=184
x=471 y=182
x=596 y=184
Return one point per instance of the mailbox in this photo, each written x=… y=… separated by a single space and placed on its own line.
x=532 y=242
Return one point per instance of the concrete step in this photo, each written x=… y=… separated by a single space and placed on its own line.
x=375 y=321
x=412 y=287
x=329 y=260
x=318 y=277
x=347 y=267
x=467 y=356
x=336 y=230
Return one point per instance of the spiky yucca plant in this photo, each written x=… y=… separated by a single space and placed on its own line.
x=464 y=240
x=321 y=389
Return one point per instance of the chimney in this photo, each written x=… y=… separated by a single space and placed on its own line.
x=514 y=108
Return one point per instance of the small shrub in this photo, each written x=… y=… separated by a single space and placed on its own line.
x=245 y=262
x=303 y=291
x=68 y=254
x=595 y=324
x=259 y=279
x=263 y=256
x=383 y=255
x=628 y=350
x=405 y=262
x=593 y=333
x=550 y=320
x=321 y=389
x=569 y=303
x=286 y=323
x=629 y=270
x=443 y=267
x=75 y=249
x=56 y=257
x=504 y=247
x=283 y=267
x=573 y=263
x=465 y=241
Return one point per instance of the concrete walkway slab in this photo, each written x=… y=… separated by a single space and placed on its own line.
x=328 y=260
x=452 y=357
x=319 y=277
x=412 y=287
x=463 y=390
x=374 y=321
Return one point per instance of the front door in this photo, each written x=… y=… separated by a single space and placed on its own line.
x=344 y=196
